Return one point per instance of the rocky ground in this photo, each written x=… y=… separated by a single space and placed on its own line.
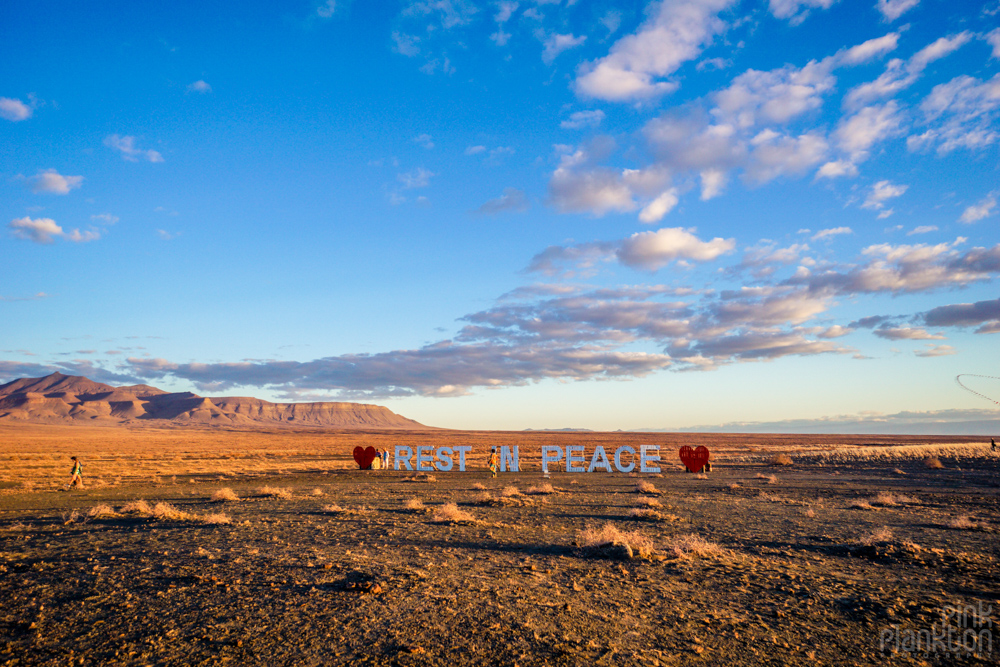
x=810 y=566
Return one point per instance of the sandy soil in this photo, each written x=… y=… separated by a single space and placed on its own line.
x=811 y=563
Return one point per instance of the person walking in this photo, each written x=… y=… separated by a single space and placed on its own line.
x=494 y=462
x=76 y=474
x=385 y=459
x=993 y=444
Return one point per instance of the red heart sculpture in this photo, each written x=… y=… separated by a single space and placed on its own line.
x=364 y=457
x=694 y=459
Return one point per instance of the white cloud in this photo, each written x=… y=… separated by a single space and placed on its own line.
x=45 y=230
x=961 y=114
x=654 y=250
x=922 y=229
x=582 y=119
x=906 y=333
x=775 y=156
x=900 y=75
x=675 y=34
x=712 y=183
x=126 y=146
x=475 y=150
x=504 y=11
x=104 y=218
x=993 y=39
x=836 y=169
x=881 y=192
x=512 y=199
x=873 y=48
x=405 y=45
x=893 y=9
x=979 y=210
x=612 y=20
x=199 y=87
x=858 y=133
x=936 y=351
x=776 y=96
x=52 y=182
x=659 y=207
x=327 y=9
x=830 y=233
x=14 y=110
x=796 y=10
x=556 y=44
x=424 y=140
x=417 y=178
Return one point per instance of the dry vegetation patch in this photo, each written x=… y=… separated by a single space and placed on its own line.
x=541 y=490
x=415 y=505
x=780 y=460
x=933 y=463
x=224 y=495
x=449 y=513
x=610 y=542
x=691 y=546
x=770 y=479
x=644 y=501
x=275 y=492
x=647 y=488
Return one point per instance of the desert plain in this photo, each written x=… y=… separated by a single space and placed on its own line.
x=195 y=545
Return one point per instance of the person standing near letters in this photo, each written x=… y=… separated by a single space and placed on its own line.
x=494 y=463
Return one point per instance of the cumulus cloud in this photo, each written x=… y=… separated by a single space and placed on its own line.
x=648 y=251
x=416 y=178
x=199 y=86
x=935 y=351
x=959 y=114
x=922 y=229
x=776 y=96
x=327 y=9
x=46 y=230
x=129 y=151
x=14 y=110
x=52 y=182
x=512 y=199
x=856 y=134
x=652 y=251
x=659 y=207
x=984 y=314
x=556 y=44
x=583 y=119
x=825 y=234
x=900 y=74
x=675 y=33
x=993 y=39
x=837 y=168
x=906 y=333
x=797 y=10
x=882 y=192
x=893 y=9
x=424 y=140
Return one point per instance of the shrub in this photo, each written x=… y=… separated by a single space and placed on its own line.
x=963 y=522
x=167 y=512
x=933 y=462
x=687 y=546
x=510 y=492
x=770 y=479
x=608 y=540
x=883 y=534
x=317 y=492
x=780 y=460
x=275 y=492
x=859 y=504
x=809 y=513
x=479 y=486
x=333 y=508
x=216 y=518
x=645 y=514
x=648 y=502
x=647 y=487
x=224 y=495
x=101 y=511
x=137 y=507
x=541 y=489
x=415 y=505
x=449 y=513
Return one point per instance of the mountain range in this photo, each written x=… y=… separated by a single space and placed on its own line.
x=58 y=398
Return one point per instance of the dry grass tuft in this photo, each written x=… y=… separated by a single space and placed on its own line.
x=510 y=492
x=648 y=502
x=167 y=512
x=610 y=541
x=136 y=507
x=933 y=462
x=479 y=486
x=883 y=534
x=334 y=508
x=275 y=492
x=860 y=504
x=216 y=518
x=415 y=505
x=449 y=513
x=224 y=495
x=688 y=546
x=647 y=487
x=811 y=513
x=701 y=475
x=734 y=486
x=317 y=492
x=541 y=490
x=898 y=471
x=770 y=479
x=650 y=514
x=101 y=512
x=963 y=522
x=780 y=460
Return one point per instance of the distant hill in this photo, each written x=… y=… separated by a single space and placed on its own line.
x=59 y=398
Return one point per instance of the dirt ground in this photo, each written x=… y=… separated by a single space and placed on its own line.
x=817 y=562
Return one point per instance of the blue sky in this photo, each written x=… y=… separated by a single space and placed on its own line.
x=510 y=214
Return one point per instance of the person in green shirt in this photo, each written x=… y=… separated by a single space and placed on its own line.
x=76 y=473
